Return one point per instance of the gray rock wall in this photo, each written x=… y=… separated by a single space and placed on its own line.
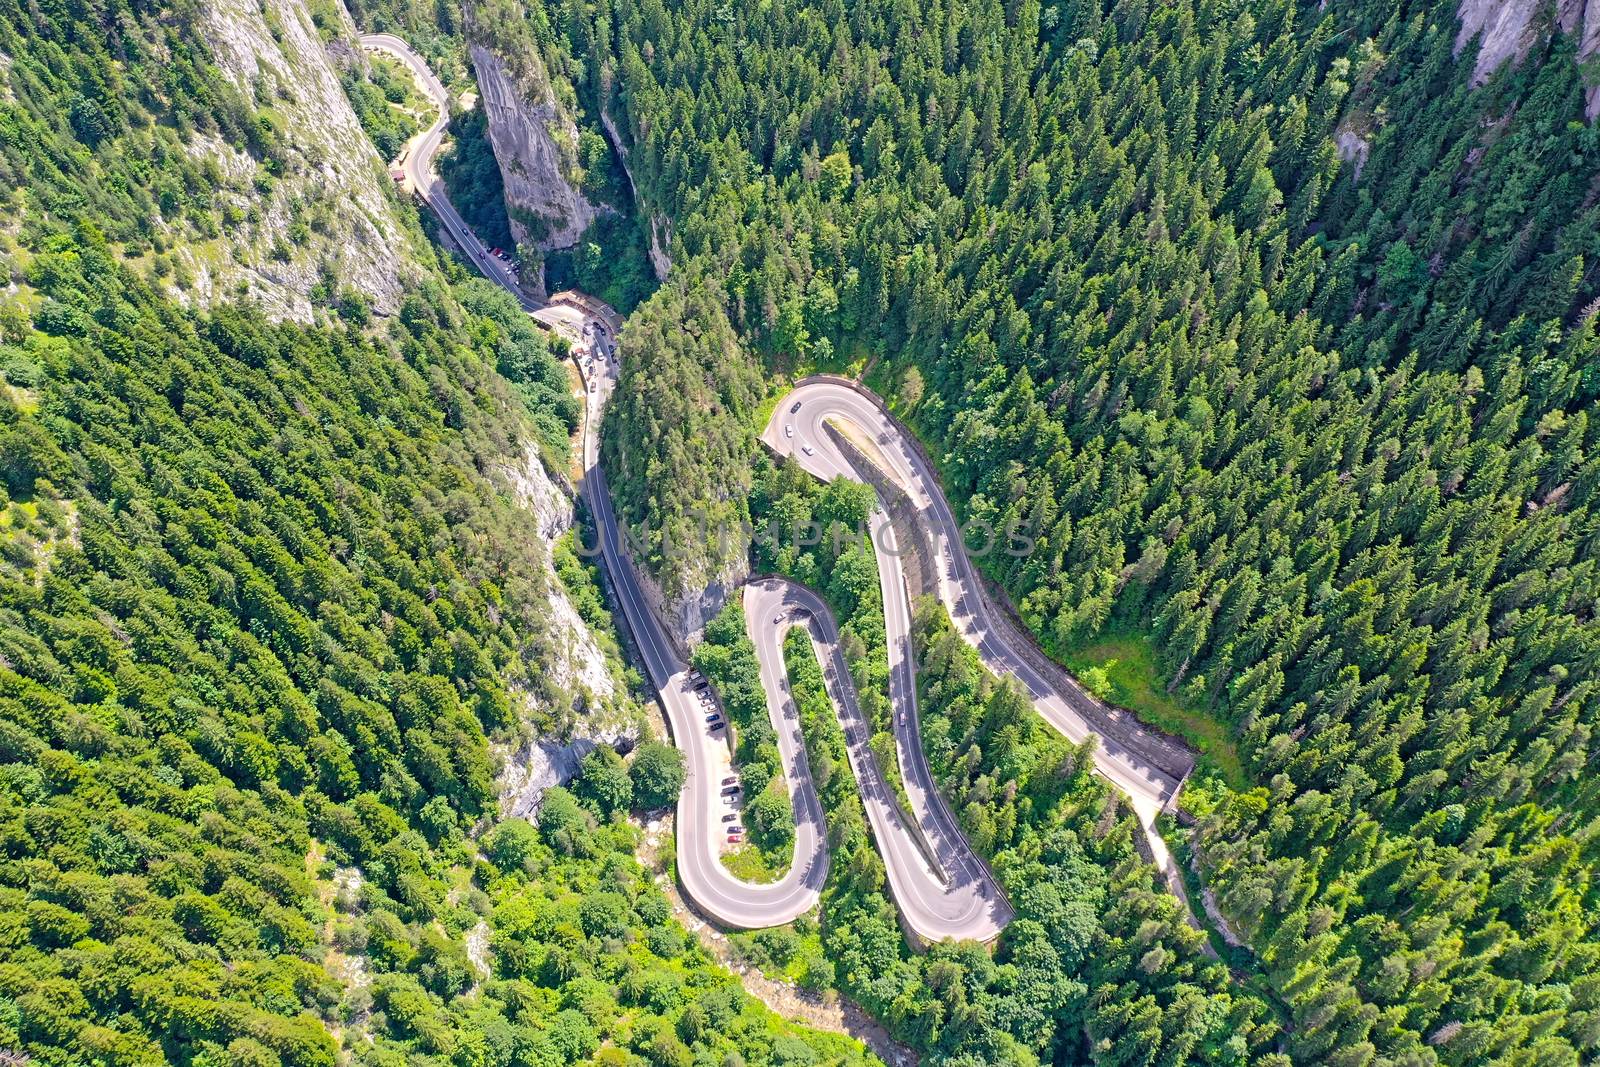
x=272 y=50
x=536 y=143
x=1509 y=29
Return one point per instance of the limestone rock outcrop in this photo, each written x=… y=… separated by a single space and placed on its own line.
x=328 y=213
x=534 y=134
x=1509 y=29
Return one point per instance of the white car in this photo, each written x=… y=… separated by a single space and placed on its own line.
x=808 y=450
x=788 y=431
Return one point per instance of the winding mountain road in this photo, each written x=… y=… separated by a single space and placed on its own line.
x=712 y=887
x=416 y=163
x=592 y=327
x=1127 y=755
x=950 y=894
x=942 y=888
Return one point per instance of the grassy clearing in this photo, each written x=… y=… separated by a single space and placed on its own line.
x=749 y=863
x=768 y=405
x=1120 y=667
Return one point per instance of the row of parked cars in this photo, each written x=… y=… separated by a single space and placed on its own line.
x=500 y=254
x=702 y=693
x=732 y=792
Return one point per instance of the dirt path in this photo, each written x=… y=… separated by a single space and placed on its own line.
x=832 y=1013
x=348 y=969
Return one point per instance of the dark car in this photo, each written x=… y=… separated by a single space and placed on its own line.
x=795 y=408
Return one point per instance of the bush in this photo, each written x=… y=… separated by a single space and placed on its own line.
x=563 y=823
x=657 y=775
x=512 y=844
x=604 y=782
x=771 y=817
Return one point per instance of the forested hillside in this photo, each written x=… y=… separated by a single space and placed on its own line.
x=268 y=592
x=678 y=441
x=213 y=143
x=1280 y=336
x=282 y=605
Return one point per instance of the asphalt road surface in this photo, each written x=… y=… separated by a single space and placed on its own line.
x=713 y=888
x=797 y=427
x=955 y=897
x=416 y=161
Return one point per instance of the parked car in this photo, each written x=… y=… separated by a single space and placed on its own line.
x=732 y=779
x=735 y=830
x=731 y=791
x=713 y=718
x=730 y=817
x=735 y=839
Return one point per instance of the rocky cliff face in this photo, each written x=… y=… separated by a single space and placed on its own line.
x=577 y=665
x=1509 y=29
x=1583 y=16
x=1352 y=148
x=536 y=142
x=706 y=589
x=660 y=225
x=329 y=213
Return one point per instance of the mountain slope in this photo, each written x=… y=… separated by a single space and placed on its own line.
x=1317 y=440
x=274 y=594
